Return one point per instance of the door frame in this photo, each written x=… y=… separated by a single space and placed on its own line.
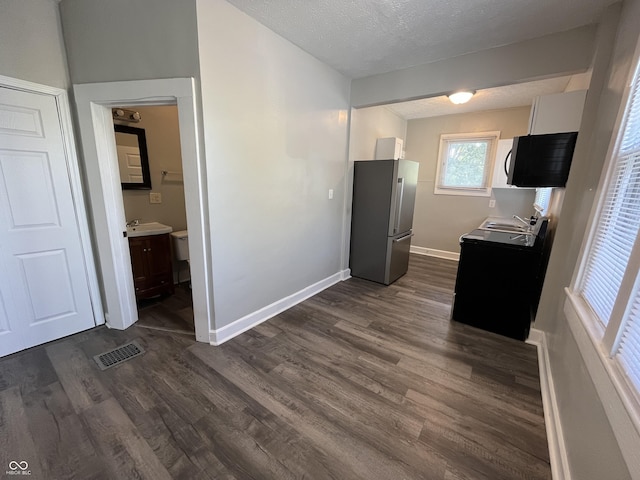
x=73 y=171
x=94 y=102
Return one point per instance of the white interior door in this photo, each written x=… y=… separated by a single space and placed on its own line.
x=44 y=291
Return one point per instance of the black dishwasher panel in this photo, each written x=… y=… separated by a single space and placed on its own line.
x=497 y=284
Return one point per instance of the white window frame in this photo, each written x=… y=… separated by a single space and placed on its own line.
x=483 y=191
x=598 y=343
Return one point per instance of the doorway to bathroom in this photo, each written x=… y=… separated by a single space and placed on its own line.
x=95 y=119
x=150 y=164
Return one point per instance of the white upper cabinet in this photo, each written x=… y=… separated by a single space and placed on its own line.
x=499 y=175
x=390 y=148
x=557 y=113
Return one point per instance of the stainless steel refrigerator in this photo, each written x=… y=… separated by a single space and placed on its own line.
x=384 y=194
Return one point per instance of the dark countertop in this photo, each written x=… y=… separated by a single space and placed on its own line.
x=512 y=240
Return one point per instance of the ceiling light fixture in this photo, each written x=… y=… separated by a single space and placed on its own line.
x=462 y=96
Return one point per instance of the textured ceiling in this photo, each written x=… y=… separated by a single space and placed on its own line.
x=509 y=96
x=366 y=37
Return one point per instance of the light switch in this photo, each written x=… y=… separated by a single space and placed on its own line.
x=331 y=194
x=155 y=197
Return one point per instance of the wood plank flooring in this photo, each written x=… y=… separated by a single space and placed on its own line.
x=173 y=313
x=359 y=382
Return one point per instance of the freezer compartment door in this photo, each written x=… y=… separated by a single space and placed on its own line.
x=397 y=256
x=403 y=197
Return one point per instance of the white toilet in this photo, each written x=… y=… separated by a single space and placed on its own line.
x=180 y=247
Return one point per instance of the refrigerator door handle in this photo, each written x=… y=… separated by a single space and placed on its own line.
x=402 y=239
x=399 y=195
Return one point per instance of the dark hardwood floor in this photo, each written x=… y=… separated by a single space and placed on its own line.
x=359 y=382
x=173 y=313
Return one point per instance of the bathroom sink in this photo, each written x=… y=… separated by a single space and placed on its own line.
x=151 y=228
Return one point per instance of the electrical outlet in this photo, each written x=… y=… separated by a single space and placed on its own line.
x=155 y=197
x=492 y=203
x=331 y=194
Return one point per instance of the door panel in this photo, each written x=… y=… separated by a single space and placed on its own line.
x=43 y=283
x=397 y=257
x=27 y=178
x=4 y=317
x=404 y=181
x=408 y=172
x=16 y=120
x=47 y=281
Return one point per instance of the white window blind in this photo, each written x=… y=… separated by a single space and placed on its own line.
x=616 y=234
x=629 y=350
x=619 y=219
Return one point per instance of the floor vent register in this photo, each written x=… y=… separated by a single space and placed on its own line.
x=118 y=355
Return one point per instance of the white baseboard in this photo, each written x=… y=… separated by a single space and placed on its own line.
x=223 y=334
x=432 y=252
x=555 y=438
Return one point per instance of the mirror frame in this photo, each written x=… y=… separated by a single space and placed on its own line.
x=144 y=157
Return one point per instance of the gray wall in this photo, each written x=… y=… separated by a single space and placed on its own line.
x=551 y=55
x=31 y=44
x=439 y=220
x=275 y=122
x=130 y=39
x=592 y=450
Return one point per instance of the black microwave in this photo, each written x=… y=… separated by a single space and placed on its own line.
x=541 y=160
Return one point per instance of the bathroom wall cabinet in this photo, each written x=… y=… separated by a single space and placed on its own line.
x=152 y=265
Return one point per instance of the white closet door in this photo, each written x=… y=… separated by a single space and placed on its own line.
x=43 y=278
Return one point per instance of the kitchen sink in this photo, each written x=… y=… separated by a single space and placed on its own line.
x=504 y=225
x=151 y=228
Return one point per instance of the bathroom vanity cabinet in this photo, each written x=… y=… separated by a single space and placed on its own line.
x=152 y=265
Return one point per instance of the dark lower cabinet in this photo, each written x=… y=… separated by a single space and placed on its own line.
x=498 y=285
x=152 y=266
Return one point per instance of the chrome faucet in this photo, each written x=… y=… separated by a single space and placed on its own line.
x=521 y=219
x=133 y=223
x=529 y=222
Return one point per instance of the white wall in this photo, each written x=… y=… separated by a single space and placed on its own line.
x=275 y=122
x=129 y=39
x=551 y=55
x=369 y=124
x=592 y=449
x=439 y=220
x=31 y=44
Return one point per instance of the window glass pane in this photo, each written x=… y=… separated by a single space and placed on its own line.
x=542 y=200
x=465 y=165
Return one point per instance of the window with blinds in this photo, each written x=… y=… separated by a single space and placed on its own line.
x=542 y=200
x=617 y=229
x=629 y=349
x=610 y=283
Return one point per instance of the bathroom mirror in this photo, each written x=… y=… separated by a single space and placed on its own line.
x=133 y=161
